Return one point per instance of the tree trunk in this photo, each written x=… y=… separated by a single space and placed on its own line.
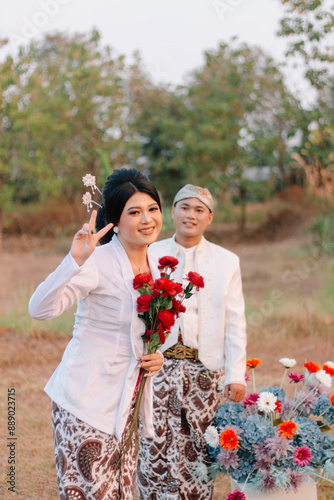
x=242 y=197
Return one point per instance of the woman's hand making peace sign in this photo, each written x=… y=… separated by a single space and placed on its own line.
x=85 y=240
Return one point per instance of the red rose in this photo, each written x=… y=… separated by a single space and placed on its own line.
x=162 y=335
x=178 y=288
x=177 y=308
x=143 y=303
x=167 y=319
x=165 y=286
x=196 y=279
x=167 y=261
x=147 y=336
x=141 y=280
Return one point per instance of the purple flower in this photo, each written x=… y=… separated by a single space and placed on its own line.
x=296 y=478
x=287 y=404
x=309 y=402
x=264 y=464
x=295 y=377
x=302 y=455
x=279 y=446
x=236 y=495
x=234 y=428
x=228 y=458
x=262 y=450
x=268 y=482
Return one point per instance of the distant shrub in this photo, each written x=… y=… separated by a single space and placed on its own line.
x=323 y=233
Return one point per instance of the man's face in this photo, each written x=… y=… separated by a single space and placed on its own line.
x=191 y=218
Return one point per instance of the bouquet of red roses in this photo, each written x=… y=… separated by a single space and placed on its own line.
x=159 y=304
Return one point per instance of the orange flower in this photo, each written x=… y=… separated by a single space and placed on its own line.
x=229 y=439
x=253 y=362
x=331 y=398
x=312 y=367
x=328 y=369
x=288 y=429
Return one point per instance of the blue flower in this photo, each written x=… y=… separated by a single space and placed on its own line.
x=279 y=393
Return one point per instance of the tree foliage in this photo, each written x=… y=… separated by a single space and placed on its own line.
x=309 y=26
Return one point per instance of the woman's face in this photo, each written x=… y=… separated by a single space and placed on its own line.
x=140 y=222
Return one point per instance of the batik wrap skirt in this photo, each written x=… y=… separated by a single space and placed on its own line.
x=86 y=457
x=185 y=403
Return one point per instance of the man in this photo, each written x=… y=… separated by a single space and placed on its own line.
x=210 y=335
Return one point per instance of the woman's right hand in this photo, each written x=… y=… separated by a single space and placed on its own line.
x=85 y=240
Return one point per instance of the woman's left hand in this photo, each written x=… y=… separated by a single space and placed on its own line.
x=152 y=363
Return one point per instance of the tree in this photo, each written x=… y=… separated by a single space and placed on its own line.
x=310 y=24
x=67 y=105
x=7 y=78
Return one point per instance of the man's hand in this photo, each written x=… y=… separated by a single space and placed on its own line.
x=234 y=392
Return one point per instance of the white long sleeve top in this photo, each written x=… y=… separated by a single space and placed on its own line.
x=221 y=311
x=96 y=378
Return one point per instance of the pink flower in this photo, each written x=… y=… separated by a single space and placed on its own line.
x=251 y=399
x=302 y=455
x=236 y=495
x=247 y=377
x=295 y=377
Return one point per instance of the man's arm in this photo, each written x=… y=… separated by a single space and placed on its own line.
x=235 y=340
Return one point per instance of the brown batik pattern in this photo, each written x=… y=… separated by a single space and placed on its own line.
x=85 y=460
x=185 y=402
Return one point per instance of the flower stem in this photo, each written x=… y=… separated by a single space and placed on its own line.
x=253 y=370
x=321 y=477
x=298 y=404
x=127 y=439
x=245 y=483
x=283 y=378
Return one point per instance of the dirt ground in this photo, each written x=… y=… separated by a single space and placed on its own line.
x=28 y=361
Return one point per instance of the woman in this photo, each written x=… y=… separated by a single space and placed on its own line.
x=93 y=389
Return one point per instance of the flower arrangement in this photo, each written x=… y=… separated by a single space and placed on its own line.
x=273 y=440
x=158 y=305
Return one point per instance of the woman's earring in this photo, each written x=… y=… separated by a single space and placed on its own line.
x=116 y=229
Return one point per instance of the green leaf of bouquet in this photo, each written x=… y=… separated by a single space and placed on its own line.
x=277 y=421
x=322 y=427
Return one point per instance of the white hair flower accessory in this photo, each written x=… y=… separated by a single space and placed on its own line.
x=211 y=436
x=89 y=180
x=87 y=200
x=266 y=402
x=324 y=378
x=288 y=362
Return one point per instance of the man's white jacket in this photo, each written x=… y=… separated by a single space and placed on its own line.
x=221 y=309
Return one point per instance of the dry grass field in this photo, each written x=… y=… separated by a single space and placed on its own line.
x=297 y=320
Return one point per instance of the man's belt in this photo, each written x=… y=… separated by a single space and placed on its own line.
x=180 y=351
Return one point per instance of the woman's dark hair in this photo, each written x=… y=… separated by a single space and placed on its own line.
x=120 y=186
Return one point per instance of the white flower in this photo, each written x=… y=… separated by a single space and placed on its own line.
x=324 y=378
x=90 y=181
x=288 y=362
x=330 y=364
x=87 y=200
x=201 y=471
x=266 y=402
x=211 y=436
x=221 y=383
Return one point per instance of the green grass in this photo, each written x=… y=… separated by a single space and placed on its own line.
x=19 y=320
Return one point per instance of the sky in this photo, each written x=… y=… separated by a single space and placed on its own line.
x=170 y=36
